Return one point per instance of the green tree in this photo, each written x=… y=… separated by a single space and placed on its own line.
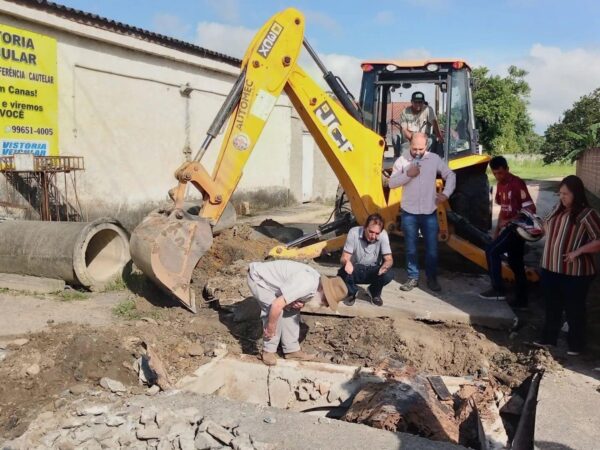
x=500 y=105
x=566 y=138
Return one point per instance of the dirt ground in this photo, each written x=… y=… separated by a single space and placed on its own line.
x=39 y=373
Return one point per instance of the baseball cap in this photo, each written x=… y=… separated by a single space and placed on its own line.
x=417 y=97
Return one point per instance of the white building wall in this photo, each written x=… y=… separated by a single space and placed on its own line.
x=120 y=107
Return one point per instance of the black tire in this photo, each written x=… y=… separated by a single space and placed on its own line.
x=471 y=198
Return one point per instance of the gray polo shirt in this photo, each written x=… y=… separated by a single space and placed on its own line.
x=364 y=252
x=291 y=279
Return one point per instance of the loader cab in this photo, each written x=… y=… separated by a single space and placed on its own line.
x=386 y=91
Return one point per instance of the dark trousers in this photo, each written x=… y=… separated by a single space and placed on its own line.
x=513 y=245
x=565 y=293
x=365 y=275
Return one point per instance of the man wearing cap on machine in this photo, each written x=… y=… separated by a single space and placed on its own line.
x=282 y=288
x=419 y=118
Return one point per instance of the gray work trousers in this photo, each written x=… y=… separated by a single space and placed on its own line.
x=288 y=326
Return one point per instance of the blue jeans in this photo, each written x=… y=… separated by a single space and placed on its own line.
x=428 y=224
x=366 y=275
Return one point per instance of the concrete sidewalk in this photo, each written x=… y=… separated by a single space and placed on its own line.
x=568 y=411
x=458 y=302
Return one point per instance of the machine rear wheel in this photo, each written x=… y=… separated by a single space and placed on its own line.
x=471 y=198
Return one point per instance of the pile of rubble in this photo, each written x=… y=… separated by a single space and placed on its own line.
x=97 y=426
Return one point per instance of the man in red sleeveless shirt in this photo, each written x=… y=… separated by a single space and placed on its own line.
x=512 y=196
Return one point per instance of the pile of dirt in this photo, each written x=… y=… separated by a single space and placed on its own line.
x=454 y=350
x=222 y=270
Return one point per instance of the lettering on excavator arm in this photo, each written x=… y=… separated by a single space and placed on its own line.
x=270 y=39
x=328 y=118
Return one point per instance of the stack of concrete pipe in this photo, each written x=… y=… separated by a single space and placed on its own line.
x=88 y=254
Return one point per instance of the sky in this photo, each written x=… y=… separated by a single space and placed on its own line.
x=557 y=42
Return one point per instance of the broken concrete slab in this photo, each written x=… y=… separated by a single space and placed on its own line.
x=289 y=384
x=112 y=385
x=492 y=434
x=457 y=303
x=453 y=384
x=29 y=284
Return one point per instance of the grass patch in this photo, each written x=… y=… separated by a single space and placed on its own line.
x=535 y=169
x=127 y=310
x=69 y=295
x=117 y=285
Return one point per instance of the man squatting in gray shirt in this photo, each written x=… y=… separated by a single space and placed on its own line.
x=367 y=259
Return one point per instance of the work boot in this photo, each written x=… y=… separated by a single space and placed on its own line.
x=270 y=359
x=432 y=284
x=350 y=300
x=300 y=356
x=410 y=284
x=492 y=294
x=375 y=299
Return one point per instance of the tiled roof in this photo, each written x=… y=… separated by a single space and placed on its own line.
x=122 y=28
x=394 y=110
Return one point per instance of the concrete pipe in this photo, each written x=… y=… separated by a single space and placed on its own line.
x=89 y=254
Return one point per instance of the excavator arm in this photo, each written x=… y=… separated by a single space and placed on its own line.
x=168 y=243
x=270 y=66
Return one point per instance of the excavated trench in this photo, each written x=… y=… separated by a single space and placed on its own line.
x=468 y=414
x=316 y=387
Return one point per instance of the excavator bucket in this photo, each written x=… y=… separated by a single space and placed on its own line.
x=166 y=246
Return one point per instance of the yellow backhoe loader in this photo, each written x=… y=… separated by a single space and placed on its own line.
x=168 y=244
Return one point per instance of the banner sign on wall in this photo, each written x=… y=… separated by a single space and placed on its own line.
x=28 y=93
